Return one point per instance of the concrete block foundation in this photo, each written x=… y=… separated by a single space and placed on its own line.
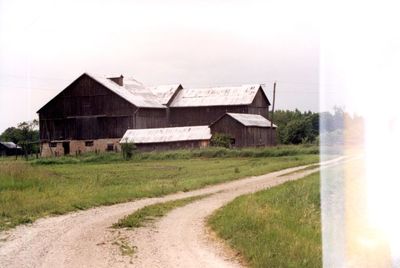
x=74 y=147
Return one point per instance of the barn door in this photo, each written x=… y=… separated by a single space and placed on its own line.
x=66 y=147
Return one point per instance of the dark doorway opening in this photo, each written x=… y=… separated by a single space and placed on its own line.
x=232 y=141
x=66 y=147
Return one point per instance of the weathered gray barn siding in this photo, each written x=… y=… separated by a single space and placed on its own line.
x=244 y=136
x=86 y=109
x=150 y=118
x=194 y=116
x=259 y=105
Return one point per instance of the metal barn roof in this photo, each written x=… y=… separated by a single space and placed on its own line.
x=9 y=144
x=159 y=96
x=170 y=134
x=251 y=120
x=164 y=92
x=216 y=96
x=132 y=91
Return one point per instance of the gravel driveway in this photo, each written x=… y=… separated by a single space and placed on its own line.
x=180 y=239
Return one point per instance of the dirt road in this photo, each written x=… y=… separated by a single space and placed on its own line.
x=85 y=239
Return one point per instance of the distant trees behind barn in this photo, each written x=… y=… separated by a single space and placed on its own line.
x=307 y=127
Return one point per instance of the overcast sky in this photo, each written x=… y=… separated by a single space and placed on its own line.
x=45 y=44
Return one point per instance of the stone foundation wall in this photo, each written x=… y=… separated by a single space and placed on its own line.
x=79 y=147
x=46 y=150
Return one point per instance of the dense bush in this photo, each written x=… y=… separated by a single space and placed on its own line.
x=221 y=140
x=128 y=149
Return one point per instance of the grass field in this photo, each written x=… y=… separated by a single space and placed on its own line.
x=36 y=188
x=278 y=227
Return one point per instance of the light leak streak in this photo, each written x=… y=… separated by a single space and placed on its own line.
x=360 y=199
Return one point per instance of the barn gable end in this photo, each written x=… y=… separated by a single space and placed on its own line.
x=96 y=109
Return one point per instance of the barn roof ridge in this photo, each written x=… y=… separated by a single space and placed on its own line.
x=217 y=96
x=167 y=134
x=136 y=93
x=10 y=144
x=166 y=93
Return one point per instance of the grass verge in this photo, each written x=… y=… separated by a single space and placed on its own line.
x=149 y=213
x=209 y=152
x=32 y=190
x=278 y=227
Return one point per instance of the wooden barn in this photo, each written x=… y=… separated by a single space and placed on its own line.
x=168 y=138
x=202 y=106
x=93 y=113
x=246 y=130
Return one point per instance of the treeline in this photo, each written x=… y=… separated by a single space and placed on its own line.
x=295 y=127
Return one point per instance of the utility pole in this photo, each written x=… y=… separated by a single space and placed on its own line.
x=272 y=113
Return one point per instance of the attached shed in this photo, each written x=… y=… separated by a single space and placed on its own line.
x=10 y=148
x=246 y=130
x=168 y=138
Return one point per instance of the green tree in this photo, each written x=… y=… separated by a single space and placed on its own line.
x=296 y=127
x=298 y=131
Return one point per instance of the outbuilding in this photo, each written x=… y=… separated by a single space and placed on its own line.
x=152 y=139
x=245 y=130
x=10 y=148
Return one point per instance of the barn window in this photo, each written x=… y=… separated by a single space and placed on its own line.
x=110 y=147
x=88 y=143
x=233 y=141
x=53 y=144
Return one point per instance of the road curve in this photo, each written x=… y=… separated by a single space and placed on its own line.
x=85 y=239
